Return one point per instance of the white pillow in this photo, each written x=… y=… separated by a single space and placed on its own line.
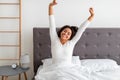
x=94 y=65
x=48 y=61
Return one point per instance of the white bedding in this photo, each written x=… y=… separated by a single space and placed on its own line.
x=75 y=72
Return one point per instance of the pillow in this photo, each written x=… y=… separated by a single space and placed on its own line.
x=48 y=61
x=94 y=65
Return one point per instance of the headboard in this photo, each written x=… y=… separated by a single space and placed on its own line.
x=95 y=43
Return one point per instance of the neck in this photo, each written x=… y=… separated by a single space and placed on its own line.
x=63 y=41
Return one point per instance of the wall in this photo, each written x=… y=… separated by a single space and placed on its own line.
x=72 y=12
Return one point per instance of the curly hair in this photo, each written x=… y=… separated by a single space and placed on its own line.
x=73 y=29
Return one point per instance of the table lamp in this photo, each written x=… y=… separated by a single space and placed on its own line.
x=25 y=60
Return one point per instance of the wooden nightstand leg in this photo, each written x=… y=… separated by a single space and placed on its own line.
x=25 y=75
x=5 y=77
x=2 y=77
x=19 y=77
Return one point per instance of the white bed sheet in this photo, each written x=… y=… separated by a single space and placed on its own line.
x=74 y=72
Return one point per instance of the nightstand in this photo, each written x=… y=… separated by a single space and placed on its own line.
x=6 y=71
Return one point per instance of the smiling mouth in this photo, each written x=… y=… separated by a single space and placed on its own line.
x=64 y=36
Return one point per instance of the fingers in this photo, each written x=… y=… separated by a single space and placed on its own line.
x=91 y=11
x=54 y=1
x=91 y=8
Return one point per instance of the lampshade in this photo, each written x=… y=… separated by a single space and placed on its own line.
x=25 y=59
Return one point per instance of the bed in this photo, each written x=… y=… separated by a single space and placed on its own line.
x=95 y=43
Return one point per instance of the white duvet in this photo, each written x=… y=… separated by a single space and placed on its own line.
x=75 y=72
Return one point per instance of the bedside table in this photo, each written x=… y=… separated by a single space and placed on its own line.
x=6 y=71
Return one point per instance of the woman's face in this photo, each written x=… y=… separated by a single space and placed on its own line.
x=66 y=34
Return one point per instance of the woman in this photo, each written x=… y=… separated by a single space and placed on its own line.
x=62 y=44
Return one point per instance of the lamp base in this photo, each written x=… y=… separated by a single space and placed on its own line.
x=25 y=65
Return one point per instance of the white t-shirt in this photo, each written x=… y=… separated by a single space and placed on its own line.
x=62 y=53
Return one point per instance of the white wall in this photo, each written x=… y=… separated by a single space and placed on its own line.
x=72 y=12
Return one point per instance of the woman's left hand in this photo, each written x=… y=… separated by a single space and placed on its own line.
x=91 y=11
x=91 y=14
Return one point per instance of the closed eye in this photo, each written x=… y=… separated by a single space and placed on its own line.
x=69 y=33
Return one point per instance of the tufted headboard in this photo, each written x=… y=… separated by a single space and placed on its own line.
x=95 y=43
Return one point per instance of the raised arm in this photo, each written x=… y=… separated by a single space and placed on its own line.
x=83 y=26
x=52 y=25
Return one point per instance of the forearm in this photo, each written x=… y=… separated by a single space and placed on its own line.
x=50 y=10
x=51 y=5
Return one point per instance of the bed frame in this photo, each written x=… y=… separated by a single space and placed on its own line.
x=95 y=43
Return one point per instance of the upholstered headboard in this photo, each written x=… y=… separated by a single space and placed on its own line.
x=94 y=43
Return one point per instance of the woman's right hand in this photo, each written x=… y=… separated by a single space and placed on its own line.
x=53 y=3
x=51 y=7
